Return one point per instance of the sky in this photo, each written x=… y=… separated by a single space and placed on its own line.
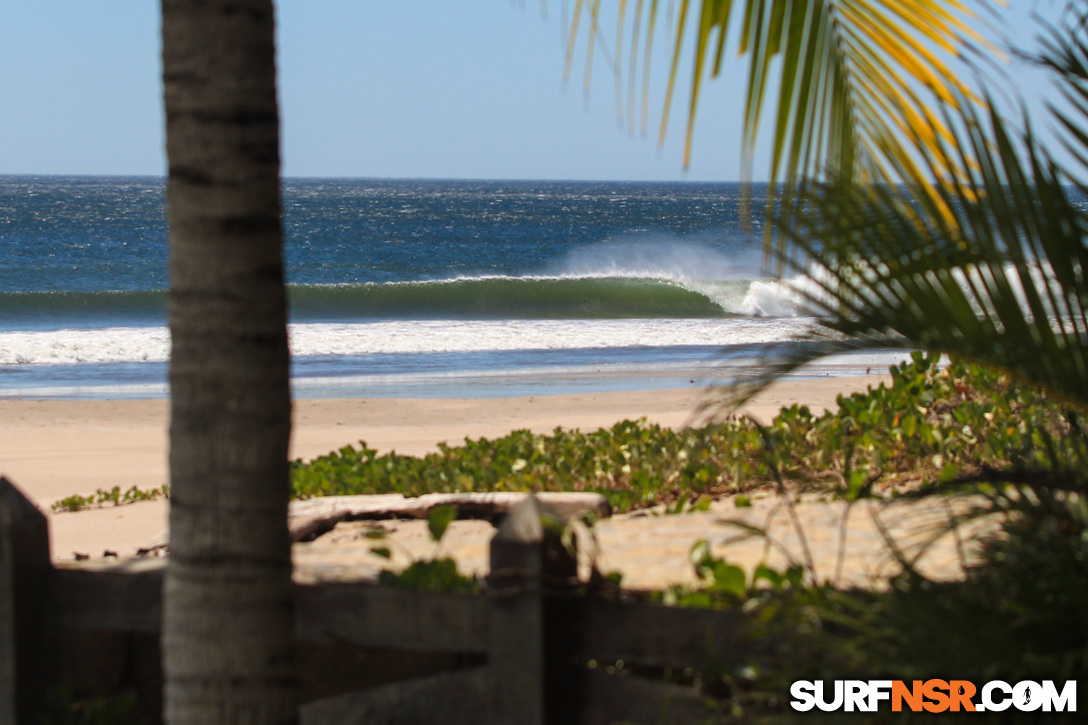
x=368 y=88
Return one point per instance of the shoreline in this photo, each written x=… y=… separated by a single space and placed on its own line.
x=445 y=375
x=55 y=448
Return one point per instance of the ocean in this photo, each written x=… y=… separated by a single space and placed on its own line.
x=408 y=287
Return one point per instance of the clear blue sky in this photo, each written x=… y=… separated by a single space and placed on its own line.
x=368 y=88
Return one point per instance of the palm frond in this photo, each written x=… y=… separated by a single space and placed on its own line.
x=850 y=79
x=993 y=269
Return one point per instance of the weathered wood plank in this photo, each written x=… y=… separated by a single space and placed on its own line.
x=659 y=636
x=516 y=643
x=25 y=667
x=128 y=598
x=363 y=614
x=532 y=577
x=387 y=617
x=451 y=698
x=333 y=669
x=125 y=597
x=612 y=699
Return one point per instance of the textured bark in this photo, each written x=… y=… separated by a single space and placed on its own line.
x=227 y=641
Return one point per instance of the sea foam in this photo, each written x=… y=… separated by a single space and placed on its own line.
x=151 y=344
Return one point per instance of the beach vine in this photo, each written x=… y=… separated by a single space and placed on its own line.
x=932 y=427
x=113 y=497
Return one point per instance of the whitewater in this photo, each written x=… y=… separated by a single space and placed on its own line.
x=421 y=288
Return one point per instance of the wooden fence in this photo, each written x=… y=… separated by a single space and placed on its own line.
x=522 y=651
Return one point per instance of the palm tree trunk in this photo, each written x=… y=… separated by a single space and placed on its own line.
x=228 y=619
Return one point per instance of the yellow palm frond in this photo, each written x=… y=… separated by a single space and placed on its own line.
x=853 y=82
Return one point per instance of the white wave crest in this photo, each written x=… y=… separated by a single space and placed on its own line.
x=151 y=344
x=60 y=347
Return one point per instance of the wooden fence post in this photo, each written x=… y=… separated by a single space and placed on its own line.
x=24 y=576
x=528 y=563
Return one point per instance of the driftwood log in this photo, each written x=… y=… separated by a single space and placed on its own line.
x=313 y=517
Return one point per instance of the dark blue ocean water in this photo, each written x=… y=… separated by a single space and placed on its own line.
x=402 y=287
x=93 y=234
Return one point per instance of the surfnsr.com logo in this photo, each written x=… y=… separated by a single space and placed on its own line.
x=933 y=696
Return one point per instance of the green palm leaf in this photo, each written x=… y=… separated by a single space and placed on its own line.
x=854 y=77
x=991 y=267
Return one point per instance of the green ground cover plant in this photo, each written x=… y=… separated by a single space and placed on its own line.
x=933 y=426
x=934 y=429
x=113 y=497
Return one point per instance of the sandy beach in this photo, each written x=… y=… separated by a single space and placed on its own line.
x=51 y=449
